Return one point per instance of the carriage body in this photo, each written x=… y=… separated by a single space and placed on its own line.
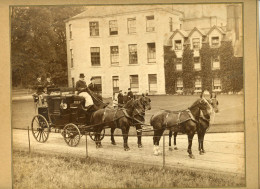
x=61 y=112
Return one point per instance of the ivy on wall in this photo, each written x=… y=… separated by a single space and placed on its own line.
x=170 y=72
x=206 y=75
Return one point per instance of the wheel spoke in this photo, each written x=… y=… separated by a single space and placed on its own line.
x=44 y=135
x=40 y=136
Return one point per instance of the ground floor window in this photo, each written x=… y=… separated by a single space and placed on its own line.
x=134 y=82
x=152 y=80
x=216 y=84
x=179 y=85
x=198 y=85
x=197 y=64
x=98 y=83
x=115 y=80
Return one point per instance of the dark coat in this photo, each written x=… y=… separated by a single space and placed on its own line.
x=93 y=87
x=81 y=86
x=130 y=95
x=120 y=98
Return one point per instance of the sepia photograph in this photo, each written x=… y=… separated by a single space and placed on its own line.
x=128 y=95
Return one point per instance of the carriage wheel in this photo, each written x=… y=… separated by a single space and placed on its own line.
x=71 y=134
x=40 y=128
x=92 y=135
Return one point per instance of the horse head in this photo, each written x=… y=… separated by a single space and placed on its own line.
x=146 y=102
x=214 y=103
x=205 y=107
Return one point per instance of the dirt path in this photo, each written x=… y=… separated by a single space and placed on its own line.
x=225 y=151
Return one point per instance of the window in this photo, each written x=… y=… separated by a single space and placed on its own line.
x=151 y=53
x=114 y=55
x=94 y=28
x=98 y=83
x=152 y=80
x=71 y=58
x=197 y=84
x=150 y=25
x=134 y=84
x=215 y=41
x=131 y=25
x=178 y=45
x=70 y=29
x=196 y=43
x=132 y=54
x=115 y=80
x=95 y=56
x=215 y=62
x=179 y=85
x=216 y=84
x=179 y=64
x=113 y=28
x=170 y=24
x=197 y=65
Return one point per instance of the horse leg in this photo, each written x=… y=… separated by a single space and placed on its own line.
x=202 y=142
x=175 y=136
x=139 y=136
x=170 y=140
x=125 y=131
x=112 y=136
x=190 y=138
x=157 y=137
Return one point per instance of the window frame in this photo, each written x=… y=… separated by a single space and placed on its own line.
x=214 y=45
x=130 y=20
x=93 y=56
x=215 y=62
x=114 y=55
x=70 y=30
x=150 y=28
x=133 y=85
x=110 y=28
x=198 y=43
x=131 y=55
x=151 y=55
x=176 y=46
x=71 y=58
x=96 y=29
x=151 y=82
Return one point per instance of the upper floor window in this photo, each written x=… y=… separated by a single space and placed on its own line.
x=215 y=41
x=215 y=62
x=114 y=54
x=70 y=29
x=151 y=53
x=197 y=65
x=113 y=28
x=131 y=25
x=95 y=56
x=196 y=43
x=178 y=45
x=170 y=24
x=94 y=28
x=150 y=24
x=132 y=54
x=179 y=64
x=71 y=58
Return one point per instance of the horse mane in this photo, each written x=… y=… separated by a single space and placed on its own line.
x=194 y=104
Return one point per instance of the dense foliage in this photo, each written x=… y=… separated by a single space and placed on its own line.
x=38 y=43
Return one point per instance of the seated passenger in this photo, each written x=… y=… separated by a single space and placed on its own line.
x=49 y=83
x=82 y=88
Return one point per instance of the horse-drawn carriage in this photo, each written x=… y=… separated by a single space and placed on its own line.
x=62 y=112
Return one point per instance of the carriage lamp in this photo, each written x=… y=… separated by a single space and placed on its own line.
x=63 y=105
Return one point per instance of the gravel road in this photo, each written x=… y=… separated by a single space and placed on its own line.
x=224 y=151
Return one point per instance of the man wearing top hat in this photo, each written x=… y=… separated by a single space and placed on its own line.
x=81 y=87
x=120 y=99
x=39 y=85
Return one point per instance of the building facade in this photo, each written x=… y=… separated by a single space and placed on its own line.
x=126 y=49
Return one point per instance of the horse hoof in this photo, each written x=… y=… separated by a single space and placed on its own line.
x=201 y=153
x=191 y=156
x=175 y=148
x=127 y=149
x=170 y=149
x=113 y=143
x=140 y=145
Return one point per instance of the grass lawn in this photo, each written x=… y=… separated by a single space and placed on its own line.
x=53 y=171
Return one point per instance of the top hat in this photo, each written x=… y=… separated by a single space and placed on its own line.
x=92 y=78
x=129 y=88
x=82 y=75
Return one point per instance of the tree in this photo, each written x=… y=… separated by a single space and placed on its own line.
x=188 y=73
x=206 y=75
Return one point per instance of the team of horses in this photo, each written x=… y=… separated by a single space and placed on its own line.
x=194 y=119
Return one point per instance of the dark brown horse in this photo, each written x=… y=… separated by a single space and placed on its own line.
x=179 y=121
x=202 y=126
x=121 y=118
x=137 y=120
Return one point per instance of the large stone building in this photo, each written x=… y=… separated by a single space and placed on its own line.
x=124 y=48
